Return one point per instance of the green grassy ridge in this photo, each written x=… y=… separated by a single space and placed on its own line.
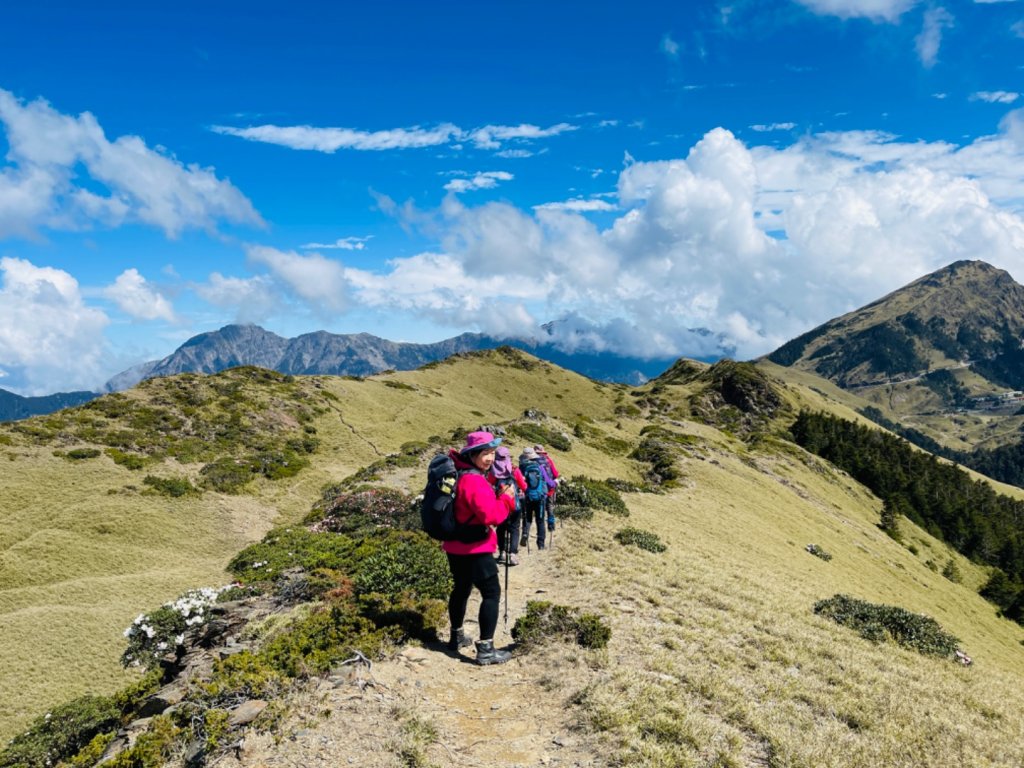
x=735 y=529
x=75 y=534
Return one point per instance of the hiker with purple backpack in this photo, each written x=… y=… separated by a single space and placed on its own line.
x=505 y=474
x=477 y=503
x=538 y=484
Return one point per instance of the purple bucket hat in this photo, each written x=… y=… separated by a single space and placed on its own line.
x=478 y=441
x=502 y=467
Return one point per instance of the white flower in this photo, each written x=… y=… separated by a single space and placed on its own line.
x=179 y=639
x=161 y=646
x=149 y=631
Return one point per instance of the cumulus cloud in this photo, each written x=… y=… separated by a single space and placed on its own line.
x=49 y=338
x=135 y=297
x=732 y=249
x=995 y=97
x=330 y=140
x=316 y=281
x=252 y=300
x=876 y=10
x=485 y=180
x=127 y=180
x=927 y=43
x=342 y=243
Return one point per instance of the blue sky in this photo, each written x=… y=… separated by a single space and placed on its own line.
x=635 y=172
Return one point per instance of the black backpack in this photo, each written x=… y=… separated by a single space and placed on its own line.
x=437 y=510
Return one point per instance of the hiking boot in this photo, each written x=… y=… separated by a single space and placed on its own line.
x=513 y=560
x=551 y=525
x=524 y=541
x=486 y=654
x=500 y=558
x=458 y=640
x=540 y=545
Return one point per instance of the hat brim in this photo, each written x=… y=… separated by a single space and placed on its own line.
x=482 y=447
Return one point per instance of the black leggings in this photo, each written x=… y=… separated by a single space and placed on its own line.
x=478 y=571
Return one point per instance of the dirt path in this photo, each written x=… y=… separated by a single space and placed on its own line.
x=430 y=707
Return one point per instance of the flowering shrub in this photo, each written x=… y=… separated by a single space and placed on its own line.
x=61 y=732
x=151 y=636
x=364 y=511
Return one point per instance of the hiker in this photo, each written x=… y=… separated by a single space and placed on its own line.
x=538 y=484
x=553 y=471
x=472 y=564
x=504 y=473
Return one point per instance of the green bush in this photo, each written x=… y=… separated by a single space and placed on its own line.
x=175 y=487
x=416 y=617
x=295 y=547
x=412 y=562
x=152 y=748
x=127 y=460
x=61 y=733
x=545 y=621
x=227 y=474
x=952 y=571
x=878 y=622
x=537 y=433
x=158 y=633
x=574 y=512
x=581 y=491
x=78 y=454
x=643 y=539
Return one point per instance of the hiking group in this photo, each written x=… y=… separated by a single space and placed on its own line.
x=481 y=506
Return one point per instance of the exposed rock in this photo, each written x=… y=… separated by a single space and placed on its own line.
x=246 y=713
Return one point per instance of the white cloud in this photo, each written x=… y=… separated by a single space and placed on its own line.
x=929 y=39
x=342 y=243
x=50 y=340
x=39 y=184
x=773 y=127
x=332 y=139
x=484 y=180
x=1017 y=28
x=876 y=10
x=995 y=97
x=669 y=47
x=491 y=136
x=577 y=204
x=134 y=296
x=316 y=281
x=852 y=216
x=514 y=153
x=252 y=300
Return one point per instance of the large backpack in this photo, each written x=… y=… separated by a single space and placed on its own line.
x=437 y=510
x=536 y=488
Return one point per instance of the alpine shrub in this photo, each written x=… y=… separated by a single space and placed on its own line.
x=77 y=454
x=295 y=547
x=61 y=733
x=364 y=511
x=537 y=433
x=643 y=539
x=581 y=491
x=878 y=622
x=175 y=487
x=546 y=621
x=411 y=563
x=817 y=551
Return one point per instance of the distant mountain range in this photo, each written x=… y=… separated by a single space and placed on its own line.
x=360 y=354
x=13 y=407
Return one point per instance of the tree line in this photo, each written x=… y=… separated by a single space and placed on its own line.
x=968 y=514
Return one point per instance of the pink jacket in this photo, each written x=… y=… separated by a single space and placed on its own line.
x=475 y=504
x=554 y=471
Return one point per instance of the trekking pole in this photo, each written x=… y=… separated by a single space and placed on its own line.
x=508 y=556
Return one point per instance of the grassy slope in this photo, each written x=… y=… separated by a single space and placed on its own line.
x=716 y=650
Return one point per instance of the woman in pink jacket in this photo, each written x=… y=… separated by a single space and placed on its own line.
x=472 y=564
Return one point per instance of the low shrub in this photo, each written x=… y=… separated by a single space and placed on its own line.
x=640 y=538
x=152 y=749
x=155 y=634
x=582 y=491
x=296 y=547
x=78 y=454
x=538 y=433
x=127 y=460
x=574 y=512
x=365 y=511
x=415 y=616
x=405 y=562
x=61 y=733
x=952 y=571
x=544 y=621
x=175 y=487
x=817 y=551
x=241 y=677
x=227 y=474
x=878 y=622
